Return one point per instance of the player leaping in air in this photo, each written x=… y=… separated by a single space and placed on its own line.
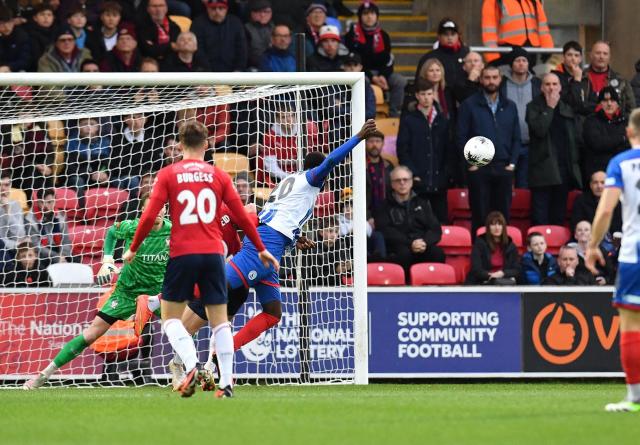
x=623 y=181
x=141 y=276
x=195 y=191
x=288 y=208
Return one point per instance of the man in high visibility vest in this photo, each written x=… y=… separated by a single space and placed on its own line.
x=514 y=22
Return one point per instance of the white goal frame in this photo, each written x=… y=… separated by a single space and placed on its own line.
x=355 y=81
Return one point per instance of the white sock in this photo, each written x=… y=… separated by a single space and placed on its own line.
x=153 y=303
x=633 y=392
x=224 y=351
x=49 y=370
x=212 y=347
x=181 y=342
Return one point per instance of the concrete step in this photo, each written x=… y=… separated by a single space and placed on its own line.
x=386 y=7
x=394 y=23
x=408 y=56
x=412 y=37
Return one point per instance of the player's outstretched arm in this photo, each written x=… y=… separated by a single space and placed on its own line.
x=108 y=267
x=317 y=175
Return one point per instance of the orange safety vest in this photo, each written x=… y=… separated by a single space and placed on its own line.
x=514 y=22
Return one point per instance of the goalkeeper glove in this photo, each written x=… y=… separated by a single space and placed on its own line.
x=104 y=274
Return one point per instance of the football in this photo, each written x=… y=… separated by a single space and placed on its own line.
x=479 y=151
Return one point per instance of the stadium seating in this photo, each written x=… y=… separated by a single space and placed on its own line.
x=514 y=233
x=67 y=201
x=232 y=163
x=461 y=264
x=458 y=205
x=104 y=202
x=385 y=274
x=184 y=23
x=325 y=205
x=556 y=236
x=87 y=240
x=70 y=274
x=520 y=203
x=571 y=199
x=455 y=240
x=388 y=126
x=382 y=109
x=393 y=160
x=432 y=273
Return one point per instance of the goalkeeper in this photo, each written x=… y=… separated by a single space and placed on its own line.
x=144 y=275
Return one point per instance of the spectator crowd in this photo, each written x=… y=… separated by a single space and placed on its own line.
x=554 y=130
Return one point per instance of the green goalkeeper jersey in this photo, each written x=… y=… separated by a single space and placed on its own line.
x=145 y=274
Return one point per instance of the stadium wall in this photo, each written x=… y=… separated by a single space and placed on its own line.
x=419 y=332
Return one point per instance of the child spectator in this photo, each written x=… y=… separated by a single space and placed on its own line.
x=494 y=258
x=102 y=39
x=41 y=30
x=28 y=270
x=156 y=31
x=373 y=44
x=326 y=260
x=77 y=21
x=536 y=263
x=47 y=228
x=259 y=29
x=278 y=57
x=423 y=145
x=15 y=47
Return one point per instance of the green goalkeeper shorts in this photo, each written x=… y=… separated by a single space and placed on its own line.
x=121 y=305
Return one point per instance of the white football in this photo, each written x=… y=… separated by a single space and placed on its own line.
x=479 y=151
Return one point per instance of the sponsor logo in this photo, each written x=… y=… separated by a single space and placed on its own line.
x=252 y=275
x=554 y=333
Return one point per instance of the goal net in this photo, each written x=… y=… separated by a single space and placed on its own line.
x=78 y=154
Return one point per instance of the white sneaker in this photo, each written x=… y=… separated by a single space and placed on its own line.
x=177 y=375
x=35 y=382
x=624 y=406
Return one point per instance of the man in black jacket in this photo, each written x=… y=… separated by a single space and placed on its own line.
x=410 y=229
x=423 y=146
x=330 y=54
x=584 y=207
x=15 y=49
x=186 y=57
x=156 y=31
x=570 y=272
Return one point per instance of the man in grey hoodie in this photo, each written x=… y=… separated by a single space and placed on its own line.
x=521 y=86
x=12 y=229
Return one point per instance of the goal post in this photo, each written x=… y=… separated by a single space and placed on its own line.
x=89 y=125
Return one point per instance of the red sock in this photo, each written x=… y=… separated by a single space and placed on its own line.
x=630 y=355
x=256 y=326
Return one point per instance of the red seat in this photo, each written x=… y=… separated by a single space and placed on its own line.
x=520 y=203
x=325 y=205
x=461 y=264
x=385 y=274
x=455 y=240
x=512 y=231
x=458 y=204
x=67 y=201
x=571 y=199
x=556 y=236
x=104 y=202
x=432 y=273
x=87 y=240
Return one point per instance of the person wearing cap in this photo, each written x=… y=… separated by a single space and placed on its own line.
x=373 y=44
x=316 y=18
x=278 y=57
x=63 y=56
x=554 y=159
x=599 y=75
x=521 y=86
x=186 y=57
x=514 y=23
x=124 y=57
x=103 y=38
x=41 y=30
x=450 y=52
x=156 y=31
x=259 y=29
x=604 y=132
x=221 y=37
x=353 y=64
x=15 y=48
x=330 y=53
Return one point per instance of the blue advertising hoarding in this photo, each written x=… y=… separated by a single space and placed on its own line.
x=419 y=333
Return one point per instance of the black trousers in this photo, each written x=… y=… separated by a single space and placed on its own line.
x=489 y=189
x=549 y=204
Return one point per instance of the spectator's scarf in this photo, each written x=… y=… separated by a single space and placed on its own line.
x=163 y=32
x=453 y=48
x=442 y=100
x=429 y=115
x=611 y=118
x=378 y=183
x=360 y=34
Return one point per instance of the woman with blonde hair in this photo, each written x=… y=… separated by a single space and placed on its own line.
x=433 y=71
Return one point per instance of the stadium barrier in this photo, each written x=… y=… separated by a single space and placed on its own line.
x=419 y=332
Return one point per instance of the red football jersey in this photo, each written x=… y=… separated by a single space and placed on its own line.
x=195 y=191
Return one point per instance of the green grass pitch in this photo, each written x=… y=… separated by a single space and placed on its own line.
x=393 y=414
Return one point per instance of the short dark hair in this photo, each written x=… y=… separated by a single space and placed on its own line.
x=111 y=6
x=46 y=192
x=423 y=85
x=571 y=44
x=193 y=135
x=313 y=159
x=376 y=134
x=489 y=68
x=89 y=62
x=532 y=235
